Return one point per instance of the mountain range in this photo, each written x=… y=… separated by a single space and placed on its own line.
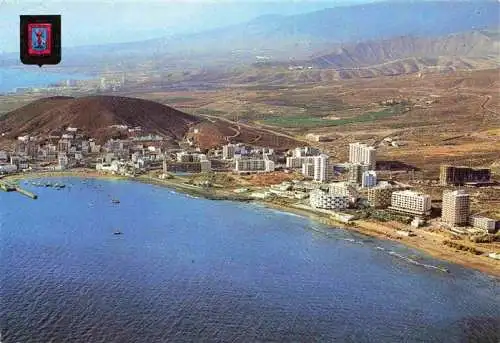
x=285 y=37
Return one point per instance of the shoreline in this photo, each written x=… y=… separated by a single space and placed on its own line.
x=426 y=242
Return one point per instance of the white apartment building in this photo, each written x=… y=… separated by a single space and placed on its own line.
x=183 y=157
x=321 y=168
x=356 y=171
x=343 y=188
x=362 y=154
x=411 y=202
x=380 y=196
x=369 y=179
x=305 y=151
x=320 y=199
x=455 y=209
x=62 y=161
x=4 y=157
x=7 y=168
x=308 y=170
x=249 y=165
x=483 y=223
x=228 y=151
x=298 y=162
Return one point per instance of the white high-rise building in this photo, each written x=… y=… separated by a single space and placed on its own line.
x=298 y=162
x=362 y=154
x=411 y=202
x=228 y=151
x=343 y=188
x=308 y=170
x=369 y=179
x=254 y=165
x=305 y=151
x=321 y=199
x=455 y=209
x=321 y=168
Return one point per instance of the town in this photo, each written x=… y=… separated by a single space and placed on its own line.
x=344 y=192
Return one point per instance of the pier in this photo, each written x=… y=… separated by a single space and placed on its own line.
x=8 y=187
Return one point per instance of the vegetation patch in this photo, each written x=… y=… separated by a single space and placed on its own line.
x=310 y=121
x=178 y=99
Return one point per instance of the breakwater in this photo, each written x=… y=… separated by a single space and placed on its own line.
x=9 y=187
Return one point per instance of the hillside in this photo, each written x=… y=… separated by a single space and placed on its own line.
x=396 y=56
x=94 y=115
x=482 y=45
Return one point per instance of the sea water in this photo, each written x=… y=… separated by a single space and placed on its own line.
x=196 y=270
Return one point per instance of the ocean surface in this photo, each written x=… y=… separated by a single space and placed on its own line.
x=32 y=76
x=194 y=270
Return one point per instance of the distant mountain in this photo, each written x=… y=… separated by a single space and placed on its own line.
x=95 y=115
x=279 y=37
x=389 y=57
x=480 y=45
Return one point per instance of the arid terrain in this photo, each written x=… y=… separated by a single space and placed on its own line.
x=435 y=118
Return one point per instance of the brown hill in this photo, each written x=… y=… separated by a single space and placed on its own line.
x=213 y=133
x=94 y=115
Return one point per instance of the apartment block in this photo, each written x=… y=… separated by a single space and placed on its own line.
x=356 y=171
x=455 y=209
x=321 y=199
x=360 y=153
x=348 y=189
x=308 y=170
x=459 y=175
x=486 y=224
x=410 y=202
x=305 y=151
x=228 y=151
x=294 y=162
x=369 y=179
x=182 y=167
x=380 y=197
x=321 y=168
x=254 y=165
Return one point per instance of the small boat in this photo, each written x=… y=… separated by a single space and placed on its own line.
x=115 y=201
x=117 y=232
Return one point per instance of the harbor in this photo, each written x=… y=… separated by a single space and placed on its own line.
x=9 y=187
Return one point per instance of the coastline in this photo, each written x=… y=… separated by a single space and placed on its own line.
x=426 y=242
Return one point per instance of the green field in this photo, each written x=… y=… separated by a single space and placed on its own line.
x=310 y=122
x=178 y=99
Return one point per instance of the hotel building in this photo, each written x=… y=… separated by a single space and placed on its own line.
x=321 y=168
x=369 y=179
x=362 y=154
x=321 y=199
x=410 y=202
x=455 y=209
x=451 y=175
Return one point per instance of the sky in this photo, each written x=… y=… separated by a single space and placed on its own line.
x=108 y=21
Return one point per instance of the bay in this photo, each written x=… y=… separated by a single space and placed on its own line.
x=196 y=270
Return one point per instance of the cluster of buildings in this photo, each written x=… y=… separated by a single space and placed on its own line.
x=359 y=187
x=456 y=212
x=71 y=149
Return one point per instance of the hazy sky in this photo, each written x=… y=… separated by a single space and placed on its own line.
x=103 y=21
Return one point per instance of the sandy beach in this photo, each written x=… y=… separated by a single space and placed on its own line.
x=426 y=241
